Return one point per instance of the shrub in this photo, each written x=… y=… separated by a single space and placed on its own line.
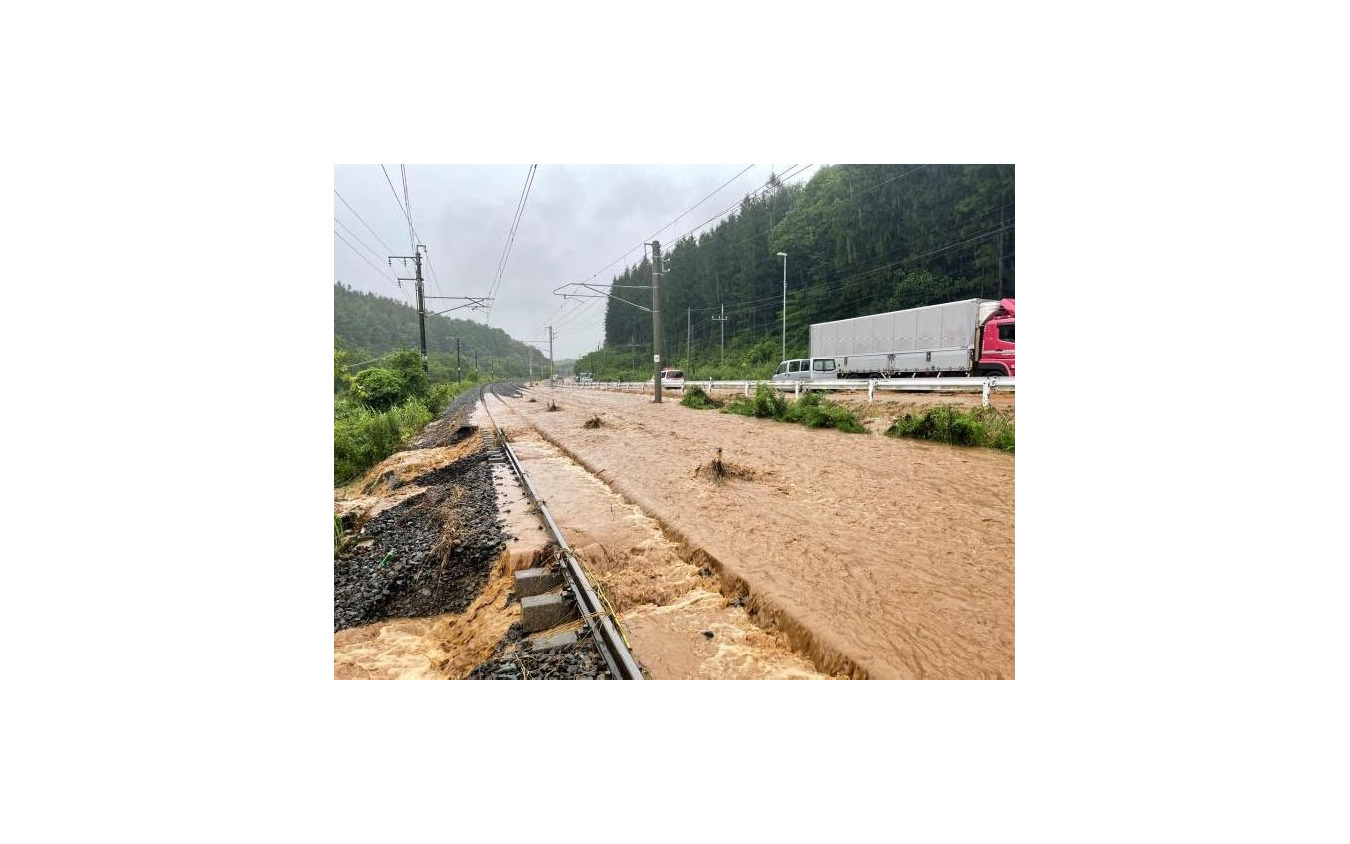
x=378 y=388
x=982 y=426
x=815 y=412
x=695 y=397
x=766 y=404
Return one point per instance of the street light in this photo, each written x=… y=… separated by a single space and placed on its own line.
x=783 y=255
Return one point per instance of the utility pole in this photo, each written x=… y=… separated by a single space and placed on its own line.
x=421 y=305
x=783 y=255
x=656 y=317
x=459 y=373
x=688 y=361
x=550 y=356
x=723 y=325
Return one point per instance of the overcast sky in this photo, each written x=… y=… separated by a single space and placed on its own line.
x=577 y=220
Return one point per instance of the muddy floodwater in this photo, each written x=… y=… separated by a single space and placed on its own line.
x=669 y=605
x=870 y=557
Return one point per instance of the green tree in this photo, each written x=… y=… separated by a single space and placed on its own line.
x=379 y=389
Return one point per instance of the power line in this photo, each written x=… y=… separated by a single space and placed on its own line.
x=382 y=273
x=390 y=249
x=357 y=239
x=649 y=237
x=406 y=215
x=511 y=236
x=435 y=281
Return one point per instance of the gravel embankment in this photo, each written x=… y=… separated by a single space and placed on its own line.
x=431 y=554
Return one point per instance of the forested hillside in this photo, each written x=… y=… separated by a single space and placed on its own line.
x=368 y=326
x=860 y=239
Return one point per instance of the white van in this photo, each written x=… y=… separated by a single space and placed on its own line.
x=806 y=369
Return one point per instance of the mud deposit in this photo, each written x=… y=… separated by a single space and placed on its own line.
x=878 y=558
x=669 y=603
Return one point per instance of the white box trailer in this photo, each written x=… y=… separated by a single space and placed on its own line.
x=932 y=339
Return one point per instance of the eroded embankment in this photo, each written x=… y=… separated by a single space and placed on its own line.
x=423 y=566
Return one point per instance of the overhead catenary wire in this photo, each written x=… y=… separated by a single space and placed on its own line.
x=510 y=238
x=651 y=236
x=383 y=273
x=417 y=238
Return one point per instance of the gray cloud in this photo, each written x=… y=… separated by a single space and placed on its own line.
x=578 y=219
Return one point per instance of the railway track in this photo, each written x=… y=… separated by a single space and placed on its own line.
x=579 y=598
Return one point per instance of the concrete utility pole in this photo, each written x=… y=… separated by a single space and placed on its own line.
x=783 y=255
x=723 y=320
x=550 y=355
x=656 y=317
x=421 y=305
x=688 y=361
x=459 y=373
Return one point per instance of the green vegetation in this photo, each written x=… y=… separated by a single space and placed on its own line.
x=981 y=426
x=860 y=239
x=815 y=412
x=382 y=408
x=810 y=410
x=695 y=397
x=369 y=326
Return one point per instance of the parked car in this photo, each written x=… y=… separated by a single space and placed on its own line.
x=806 y=369
x=671 y=379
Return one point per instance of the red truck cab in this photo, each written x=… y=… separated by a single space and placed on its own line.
x=997 y=347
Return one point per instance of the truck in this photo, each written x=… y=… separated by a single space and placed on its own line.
x=969 y=337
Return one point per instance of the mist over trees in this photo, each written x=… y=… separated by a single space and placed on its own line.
x=860 y=239
x=368 y=326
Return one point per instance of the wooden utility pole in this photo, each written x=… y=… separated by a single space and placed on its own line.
x=656 y=317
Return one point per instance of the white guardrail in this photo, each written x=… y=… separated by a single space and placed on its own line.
x=897 y=385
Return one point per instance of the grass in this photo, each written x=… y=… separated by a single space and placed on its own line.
x=981 y=426
x=810 y=410
x=363 y=437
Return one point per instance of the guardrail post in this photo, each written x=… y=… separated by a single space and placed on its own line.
x=796 y=388
x=747 y=389
x=985 y=399
x=871 y=389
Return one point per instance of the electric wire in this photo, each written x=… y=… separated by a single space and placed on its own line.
x=510 y=238
x=367 y=225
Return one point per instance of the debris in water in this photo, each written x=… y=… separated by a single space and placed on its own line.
x=718 y=470
x=593 y=422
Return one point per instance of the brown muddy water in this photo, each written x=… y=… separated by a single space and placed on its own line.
x=878 y=558
x=679 y=624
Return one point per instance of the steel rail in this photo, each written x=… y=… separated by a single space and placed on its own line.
x=617 y=656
